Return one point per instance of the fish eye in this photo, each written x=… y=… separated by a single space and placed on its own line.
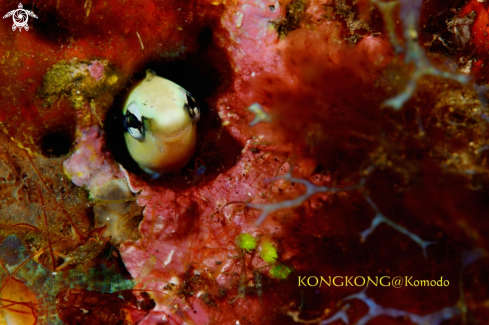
x=133 y=122
x=192 y=107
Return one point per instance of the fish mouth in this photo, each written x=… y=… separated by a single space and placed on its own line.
x=178 y=134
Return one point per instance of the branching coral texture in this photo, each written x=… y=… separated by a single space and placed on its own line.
x=337 y=138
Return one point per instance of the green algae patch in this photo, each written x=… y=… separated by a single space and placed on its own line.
x=75 y=80
x=268 y=253
x=245 y=241
x=280 y=272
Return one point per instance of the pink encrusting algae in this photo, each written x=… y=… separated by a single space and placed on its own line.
x=96 y=70
x=91 y=165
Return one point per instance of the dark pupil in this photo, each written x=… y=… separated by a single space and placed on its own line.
x=191 y=104
x=132 y=121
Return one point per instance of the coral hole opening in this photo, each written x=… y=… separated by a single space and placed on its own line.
x=56 y=144
x=50 y=26
x=206 y=74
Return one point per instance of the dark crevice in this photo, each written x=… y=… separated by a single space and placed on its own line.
x=56 y=144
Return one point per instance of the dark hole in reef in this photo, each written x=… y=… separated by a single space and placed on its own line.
x=50 y=26
x=56 y=144
x=204 y=73
x=61 y=22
